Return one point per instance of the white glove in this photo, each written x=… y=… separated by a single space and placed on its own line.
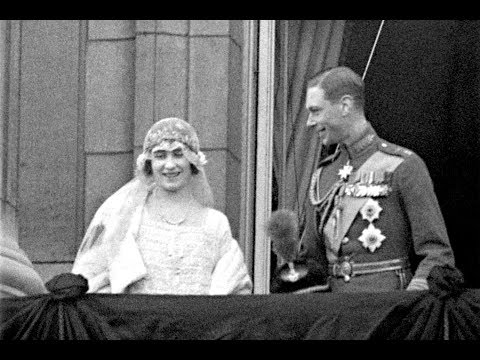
x=417 y=284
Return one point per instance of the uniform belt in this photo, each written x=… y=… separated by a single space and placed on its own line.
x=347 y=268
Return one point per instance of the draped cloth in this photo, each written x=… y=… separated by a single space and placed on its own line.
x=17 y=274
x=438 y=314
x=60 y=315
x=446 y=311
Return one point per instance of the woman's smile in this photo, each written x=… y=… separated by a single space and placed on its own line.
x=171 y=174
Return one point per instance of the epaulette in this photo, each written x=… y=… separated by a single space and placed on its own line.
x=394 y=149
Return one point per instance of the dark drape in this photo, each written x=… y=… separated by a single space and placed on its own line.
x=423 y=92
x=303 y=48
x=447 y=311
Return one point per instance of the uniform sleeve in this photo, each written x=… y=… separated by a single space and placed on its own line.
x=428 y=230
x=230 y=275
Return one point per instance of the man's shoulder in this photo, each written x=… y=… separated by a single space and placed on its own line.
x=395 y=150
x=412 y=162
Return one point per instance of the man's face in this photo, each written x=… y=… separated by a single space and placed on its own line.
x=326 y=117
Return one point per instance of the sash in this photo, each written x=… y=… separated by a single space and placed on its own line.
x=378 y=163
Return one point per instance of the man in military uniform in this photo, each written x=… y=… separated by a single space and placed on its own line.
x=373 y=217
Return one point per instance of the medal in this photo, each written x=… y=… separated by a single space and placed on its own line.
x=371 y=237
x=345 y=172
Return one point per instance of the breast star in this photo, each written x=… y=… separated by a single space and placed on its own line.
x=345 y=171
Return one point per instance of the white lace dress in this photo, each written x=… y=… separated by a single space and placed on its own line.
x=181 y=259
x=124 y=251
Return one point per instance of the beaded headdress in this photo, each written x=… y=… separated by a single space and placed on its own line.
x=175 y=130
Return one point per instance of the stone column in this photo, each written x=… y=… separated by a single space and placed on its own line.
x=215 y=106
x=8 y=213
x=109 y=95
x=161 y=66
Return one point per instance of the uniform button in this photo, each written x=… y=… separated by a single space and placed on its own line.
x=384 y=145
x=345 y=240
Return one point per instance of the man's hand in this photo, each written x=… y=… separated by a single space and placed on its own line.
x=417 y=284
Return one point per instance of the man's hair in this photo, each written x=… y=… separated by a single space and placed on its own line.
x=339 y=81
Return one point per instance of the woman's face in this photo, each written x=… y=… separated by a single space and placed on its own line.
x=171 y=169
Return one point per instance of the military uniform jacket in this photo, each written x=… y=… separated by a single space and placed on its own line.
x=384 y=207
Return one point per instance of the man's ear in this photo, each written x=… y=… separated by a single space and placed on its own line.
x=347 y=104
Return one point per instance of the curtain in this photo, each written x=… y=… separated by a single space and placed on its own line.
x=447 y=311
x=304 y=48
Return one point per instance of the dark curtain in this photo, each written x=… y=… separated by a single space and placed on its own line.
x=303 y=47
x=423 y=92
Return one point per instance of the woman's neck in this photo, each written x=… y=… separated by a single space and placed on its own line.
x=174 y=197
x=175 y=207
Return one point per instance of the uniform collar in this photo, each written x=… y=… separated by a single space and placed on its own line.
x=364 y=141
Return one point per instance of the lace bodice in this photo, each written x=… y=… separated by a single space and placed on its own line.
x=179 y=259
